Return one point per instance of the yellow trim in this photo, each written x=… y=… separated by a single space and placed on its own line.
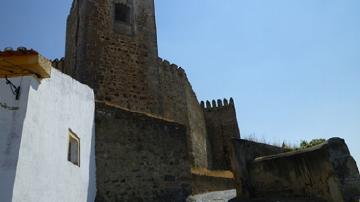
x=77 y=139
x=13 y=65
x=212 y=173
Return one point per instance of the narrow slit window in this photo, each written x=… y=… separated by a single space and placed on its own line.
x=74 y=149
x=122 y=13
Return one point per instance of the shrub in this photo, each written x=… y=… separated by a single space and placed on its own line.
x=305 y=144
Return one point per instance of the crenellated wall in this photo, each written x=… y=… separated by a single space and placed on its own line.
x=151 y=129
x=59 y=64
x=179 y=103
x=120 y=65
x=172 y=92
x=221 y=126
x=120 y=62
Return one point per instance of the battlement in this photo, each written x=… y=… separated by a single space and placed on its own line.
x=221 y=126
x=179 y=102
x=59 y=64
x=216 y=104
x=171 y=67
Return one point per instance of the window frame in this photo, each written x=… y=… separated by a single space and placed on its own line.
x=73 y=136
x=128 y=16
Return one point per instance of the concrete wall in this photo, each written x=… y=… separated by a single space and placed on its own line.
x=12 y=115
x=325 y=172
x=43 y=172
x=221 y=126
x=140 y=158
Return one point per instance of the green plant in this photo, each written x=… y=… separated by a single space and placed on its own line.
x=305 y=144
x=285 y=145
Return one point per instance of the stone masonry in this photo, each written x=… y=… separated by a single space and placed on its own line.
x=152 y=134
x=111 y=46
x=120 y=61
x=222 y=127
x=140 y=158
x=326 y=172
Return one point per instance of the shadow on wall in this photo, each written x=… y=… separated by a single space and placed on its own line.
x=92 y=169
x=326 y=172
x=12 y=116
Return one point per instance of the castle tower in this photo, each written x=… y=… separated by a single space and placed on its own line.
x=111 y=46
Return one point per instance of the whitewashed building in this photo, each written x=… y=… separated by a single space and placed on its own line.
x=47 y=145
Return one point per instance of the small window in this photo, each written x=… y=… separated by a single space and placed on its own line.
x=74 y=148
x=122 y=13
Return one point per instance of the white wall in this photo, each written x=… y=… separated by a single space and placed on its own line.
x=43 y=172
x=11 y=124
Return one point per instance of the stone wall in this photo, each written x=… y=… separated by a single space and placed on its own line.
x=197 y=128
x=244 y=153
x=222 y=126
x=140 y=158
x=120 y=66
x=173 y=100
x=59 y=64
x=179 y=103
x=123 y=67
x=325 y=172
x=72 y=38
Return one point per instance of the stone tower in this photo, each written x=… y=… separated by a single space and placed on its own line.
x=111 y=45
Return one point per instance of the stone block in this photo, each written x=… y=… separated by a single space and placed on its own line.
x=326 y=172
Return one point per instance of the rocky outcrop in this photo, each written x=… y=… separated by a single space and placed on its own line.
x=326 y=172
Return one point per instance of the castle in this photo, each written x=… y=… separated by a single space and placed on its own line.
x=152 y=139
x=112 y=47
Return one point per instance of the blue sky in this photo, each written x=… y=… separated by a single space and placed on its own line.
x=292 y=66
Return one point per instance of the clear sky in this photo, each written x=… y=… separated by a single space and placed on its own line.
x=292 y=66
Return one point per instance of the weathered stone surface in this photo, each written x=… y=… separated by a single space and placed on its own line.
x=326 y=172
x=120 y=62
x=120 y=66
x=244 y=152
x=140 y=158
x=179 y=103
x=222 y=127
x=143 y=158
x=58 y=64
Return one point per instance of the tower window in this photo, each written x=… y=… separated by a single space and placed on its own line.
x=74 y=148
x=122 y=13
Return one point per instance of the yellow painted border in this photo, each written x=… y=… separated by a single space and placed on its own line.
x=14 y=64
x=73 y=135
